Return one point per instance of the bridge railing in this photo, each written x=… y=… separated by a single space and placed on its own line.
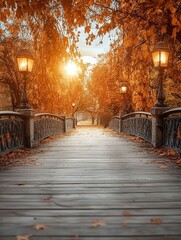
x=25 y=129
x=11 y=131
x=115 y=123
x=172 y=129
x=46 y=125
x=161 y=128
x=138 y=124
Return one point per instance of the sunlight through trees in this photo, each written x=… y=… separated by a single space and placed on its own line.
x=48 y=29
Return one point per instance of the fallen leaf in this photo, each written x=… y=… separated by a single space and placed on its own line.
x=20 y=184
x=178 y=161
x=37 y=164
x=162 y=154
x=155 y=220
x=46 y=198
x=171 y=152
x=127 y=213
x=163 y=167
x=160 y=150
x=98 y=223
x=22 y=237
x=40 y=226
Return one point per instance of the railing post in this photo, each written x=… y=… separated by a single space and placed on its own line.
x=157 y=126
x=74 y=122
x=29 y=126
x=65 y=124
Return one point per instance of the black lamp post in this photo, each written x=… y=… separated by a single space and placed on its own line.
x=160 y=56
x=25 y=62
x=123 y=90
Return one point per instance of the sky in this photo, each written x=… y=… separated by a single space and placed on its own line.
x=90 y=52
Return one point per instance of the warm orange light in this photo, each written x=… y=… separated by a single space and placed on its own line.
x=25 y=61
x=25 y=64
x=160 y=55
x=72 y=69
x=123 y=88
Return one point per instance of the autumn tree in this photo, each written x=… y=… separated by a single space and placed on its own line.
x=42 y=28
x=138 y=24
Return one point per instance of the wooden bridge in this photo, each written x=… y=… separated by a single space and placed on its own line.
x=91 y=184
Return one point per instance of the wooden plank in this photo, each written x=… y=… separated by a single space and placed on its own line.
x=91 y=185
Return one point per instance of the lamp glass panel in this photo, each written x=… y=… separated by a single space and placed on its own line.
x=22 y=64
x=164 y=58
x=160 y=58
x=156 y=58
x=123 y=89
x=25 y=64
x=30 y=64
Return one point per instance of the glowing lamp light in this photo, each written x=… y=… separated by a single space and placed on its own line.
x=25 y=61
x=160 y=55
x=123 y=88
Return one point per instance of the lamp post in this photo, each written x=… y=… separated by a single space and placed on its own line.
x=73 y=107
x=123 y=90
x=25 y=62
x=160 y=56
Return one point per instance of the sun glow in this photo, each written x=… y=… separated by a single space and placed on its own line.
x=72 y=69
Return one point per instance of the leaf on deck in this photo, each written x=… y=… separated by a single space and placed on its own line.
x=155 y=220
x=40 y=226
x=46 y=198
x=163 y=167
x=126 y=213
x=20 y=184
x=98 y=223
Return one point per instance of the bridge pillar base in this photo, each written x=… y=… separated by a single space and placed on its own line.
x=29 y=126
x=157 y=125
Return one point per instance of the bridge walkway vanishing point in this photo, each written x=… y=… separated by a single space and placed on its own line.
x=91 y=185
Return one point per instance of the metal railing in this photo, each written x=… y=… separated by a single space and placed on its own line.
x=46 y=125
x=172 y=129
x=26 y=128
x=138 y=124
x=11 y=131
x=115 y=123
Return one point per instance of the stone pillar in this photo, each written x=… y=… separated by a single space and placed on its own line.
x=29 y=126
x=157 y=125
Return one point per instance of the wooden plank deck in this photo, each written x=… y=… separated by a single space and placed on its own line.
x=91 y=185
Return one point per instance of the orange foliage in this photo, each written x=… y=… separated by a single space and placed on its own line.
x=48 y=27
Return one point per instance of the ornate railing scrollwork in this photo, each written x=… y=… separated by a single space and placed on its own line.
x=172 y=129
x=11 y=131
x=46 y=125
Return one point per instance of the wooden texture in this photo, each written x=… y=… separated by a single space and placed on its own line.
x=91 y=185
